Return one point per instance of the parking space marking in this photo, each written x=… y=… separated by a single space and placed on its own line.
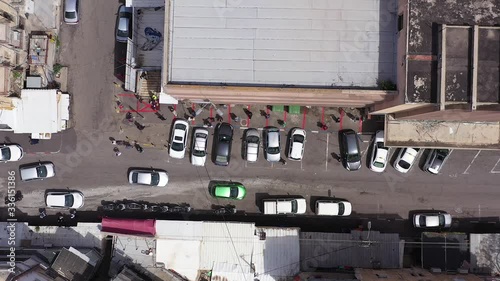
x=494 y=167
x=326 y=155
x=474 y=159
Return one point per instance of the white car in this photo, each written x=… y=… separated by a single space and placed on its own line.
x=11 y=152
x=71 y=11
x=178 y=139
x=199 y=147
x=251 y=144
x=297 y=144
x=380 y=153
x=148 y=177
x=432 y=220
x=333 y=208
x=406 y=159
x=64 y=199
x=37 y=171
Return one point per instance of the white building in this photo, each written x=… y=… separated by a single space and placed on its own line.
x=38 y=112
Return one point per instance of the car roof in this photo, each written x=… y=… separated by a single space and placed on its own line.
x=273 y=137
x=70 y=5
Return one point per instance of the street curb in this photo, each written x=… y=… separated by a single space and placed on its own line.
x=48 y=152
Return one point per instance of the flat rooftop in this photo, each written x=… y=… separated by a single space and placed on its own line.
x=426 y=17
x=283 y=42
x=149 y=36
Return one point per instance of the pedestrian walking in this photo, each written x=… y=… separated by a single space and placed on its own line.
x=267 y=115
x=283 y=161
x=324 y=127
x=117 y=151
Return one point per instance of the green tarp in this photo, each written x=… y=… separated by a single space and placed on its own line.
x=278 y=108
x=294 y=109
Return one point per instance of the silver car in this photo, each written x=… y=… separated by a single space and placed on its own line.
x=71 y=11
x=251 y=143
x=64 y=199
x=123 y=24
x=435 y=160
x=272 y=146
x=148 y=177
x=37 y=171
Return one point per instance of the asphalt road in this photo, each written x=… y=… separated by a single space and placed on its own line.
x=467 y=187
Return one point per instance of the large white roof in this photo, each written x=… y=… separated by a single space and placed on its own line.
x=275 y=42
x=227 y=249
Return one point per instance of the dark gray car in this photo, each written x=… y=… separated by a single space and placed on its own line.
x=223 y=139
x=349 y=150
x=436 y=159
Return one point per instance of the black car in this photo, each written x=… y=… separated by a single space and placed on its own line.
x=223 y=139
x=349 y=150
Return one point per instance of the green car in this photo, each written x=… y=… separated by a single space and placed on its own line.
x=229 y=191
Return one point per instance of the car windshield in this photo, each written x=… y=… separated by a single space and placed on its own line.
x=298 y=138
x=177 y=146
x=41 y=171
x=68 y=200
x=221 y=159
x=353 y=157
x=134 y=177
x=273 y=150
x=422 y=220
x=405 y=165
x=122 y=33
x=253 y=139
x=70 y=15
x=378 y=164
x=233 y=192
x=341 y=209
x=294 y=206
x=198 y=153
x=155 y=178
x=224 y=138
x=441 y=220
x=5 y=153
x=180 y=127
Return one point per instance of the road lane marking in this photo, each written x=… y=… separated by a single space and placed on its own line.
x=474 y=159
x=326 y=158
x=494 y=167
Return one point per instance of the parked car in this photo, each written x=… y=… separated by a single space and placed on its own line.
x=251 y=143
x=297 y=144
x=71 y=11
x=435 y=160
x=349 y=150
x=333 y=208
x=380 y=153
x=272 y=146
x=123 y=24
x=229 y=191
x=148 y=177
x=406 y=158
x=285 y=206
x=178 y=139
x=199 y=147
x=37 y=171
x=223 y=140
x=11 y=152
x=64 y=199
x=432 y=220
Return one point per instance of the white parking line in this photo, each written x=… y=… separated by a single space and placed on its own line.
x=471 y=162
x=493 y=170
x=326 y=156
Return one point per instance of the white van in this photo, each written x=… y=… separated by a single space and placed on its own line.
x=333 y=208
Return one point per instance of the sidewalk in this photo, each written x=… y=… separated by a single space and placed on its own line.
x=151 y=128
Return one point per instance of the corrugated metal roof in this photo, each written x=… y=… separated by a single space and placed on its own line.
x=329 y=250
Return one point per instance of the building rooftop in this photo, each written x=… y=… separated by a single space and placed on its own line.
x=482 y=248
x=331 y=250
x=283 y=42
x=76 y=265
x=444 y=129
x=426 y=22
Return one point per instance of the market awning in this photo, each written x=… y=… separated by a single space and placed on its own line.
x=278 y=108
x=294 y=109
x=129 y=226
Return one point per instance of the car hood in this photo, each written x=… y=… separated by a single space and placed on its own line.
x=50 y=170
x=409 y=155
x=198 y=161
x=273 y=157
x=163 y=179
x=16 y=153
x=353 y=166
x=301 y=206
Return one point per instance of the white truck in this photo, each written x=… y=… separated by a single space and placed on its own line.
x=285 y=206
